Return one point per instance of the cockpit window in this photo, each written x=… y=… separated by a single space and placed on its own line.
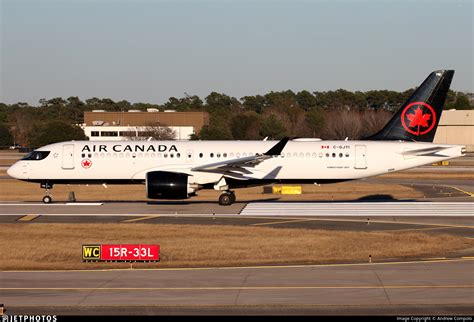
x=36 y=155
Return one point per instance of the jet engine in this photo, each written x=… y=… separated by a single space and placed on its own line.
x=168 y=185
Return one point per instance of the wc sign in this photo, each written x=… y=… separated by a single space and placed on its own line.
x=121 y=253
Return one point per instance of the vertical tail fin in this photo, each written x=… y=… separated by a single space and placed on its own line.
x=419 y=116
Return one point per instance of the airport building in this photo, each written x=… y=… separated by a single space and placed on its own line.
x=115 y=126
x=456 y=127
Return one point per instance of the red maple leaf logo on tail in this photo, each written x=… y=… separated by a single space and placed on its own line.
x=419 y=119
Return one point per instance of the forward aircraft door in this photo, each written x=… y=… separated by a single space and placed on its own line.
x=360 y=157
x=68 y=156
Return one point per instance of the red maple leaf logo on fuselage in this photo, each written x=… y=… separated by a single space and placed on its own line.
x=86 y=163
x=419 y=119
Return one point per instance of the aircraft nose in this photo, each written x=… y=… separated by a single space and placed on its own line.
x=14 y=171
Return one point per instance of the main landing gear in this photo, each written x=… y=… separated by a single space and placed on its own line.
x=227 y=198
x=47 y=186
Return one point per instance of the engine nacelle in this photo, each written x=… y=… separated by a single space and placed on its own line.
x=167 y=185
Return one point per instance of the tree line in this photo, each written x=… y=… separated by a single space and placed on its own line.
x=329 y=115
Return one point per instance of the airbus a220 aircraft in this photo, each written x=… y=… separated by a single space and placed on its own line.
x=178 y=169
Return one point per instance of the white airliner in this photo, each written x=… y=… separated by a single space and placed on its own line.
x=178 y=169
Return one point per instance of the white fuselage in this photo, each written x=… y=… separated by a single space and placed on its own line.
x=305 y=159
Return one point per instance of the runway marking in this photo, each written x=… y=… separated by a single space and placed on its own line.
x=139 y=219
x=233 y=288
x=28 y=218
x=437 y=226
x=471 y=194
x=382 y=222
x=235 y=216
x=362 y=209
x=54 y=204
x=450 y=260
x=281 y=222
x=417 y=229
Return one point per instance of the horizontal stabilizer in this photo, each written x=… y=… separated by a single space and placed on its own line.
x=424 y=152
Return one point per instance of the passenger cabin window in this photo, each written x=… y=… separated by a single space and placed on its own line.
x=36 y=155
x=109 y=133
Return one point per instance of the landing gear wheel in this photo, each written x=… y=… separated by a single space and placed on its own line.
x=47 y=186
x=47 y=199
x=232 y=196
x=225 y=199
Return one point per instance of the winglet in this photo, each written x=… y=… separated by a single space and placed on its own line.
x=277 y=148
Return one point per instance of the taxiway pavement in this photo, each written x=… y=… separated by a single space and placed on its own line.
x=445 y=287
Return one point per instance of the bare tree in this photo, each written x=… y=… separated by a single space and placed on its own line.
x=154 y=131
x=354 y=124
x=21 y=127
x=343 y=124
x=374 y=121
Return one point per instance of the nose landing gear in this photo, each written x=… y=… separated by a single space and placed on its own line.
x=47 y=199
x=47 y=186
x=227 y=198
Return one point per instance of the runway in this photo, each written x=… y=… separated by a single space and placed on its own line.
x=442 y=287
x=335 y=208
x=433 y=287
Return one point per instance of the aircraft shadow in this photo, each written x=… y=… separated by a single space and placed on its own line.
x=368 y=198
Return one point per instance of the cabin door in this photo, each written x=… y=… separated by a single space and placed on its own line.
x=360 y=157
x=68 y=156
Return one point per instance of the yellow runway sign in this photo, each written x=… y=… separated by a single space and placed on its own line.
x=91 y=252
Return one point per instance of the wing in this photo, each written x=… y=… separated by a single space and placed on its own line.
x=239 y=167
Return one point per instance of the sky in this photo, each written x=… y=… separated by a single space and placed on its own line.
x=148 y=51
